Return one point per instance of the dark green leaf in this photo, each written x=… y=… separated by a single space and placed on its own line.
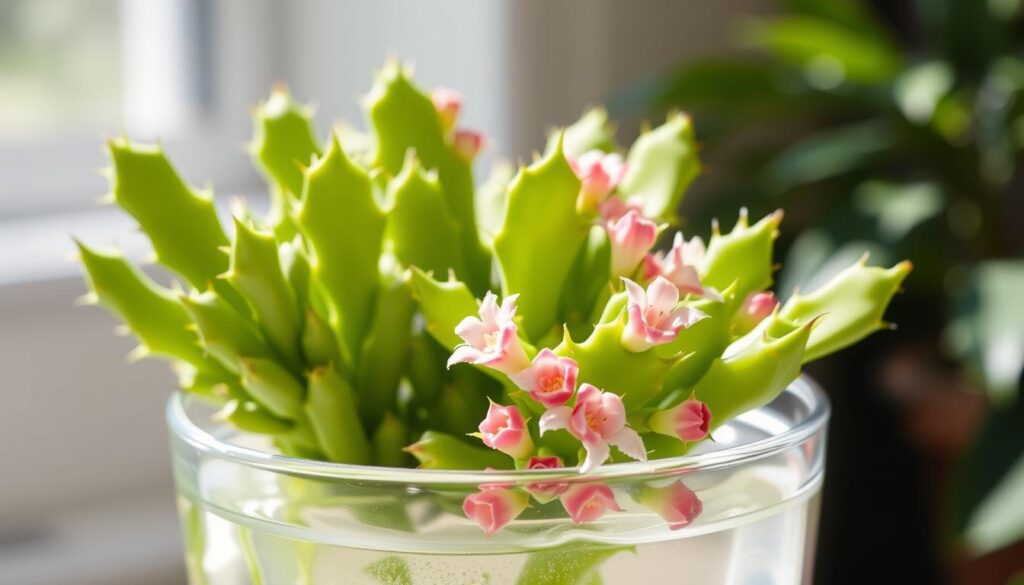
x=828 y=53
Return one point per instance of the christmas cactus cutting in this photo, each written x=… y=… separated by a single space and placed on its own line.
x=389 y=310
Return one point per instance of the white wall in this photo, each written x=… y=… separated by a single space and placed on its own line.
x=522 y=65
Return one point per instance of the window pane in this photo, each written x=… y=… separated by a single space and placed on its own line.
x=60 y=68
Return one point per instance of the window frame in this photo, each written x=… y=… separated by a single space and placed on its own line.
x=63 y=174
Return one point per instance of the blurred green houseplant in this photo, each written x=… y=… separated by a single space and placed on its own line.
x=906 y=143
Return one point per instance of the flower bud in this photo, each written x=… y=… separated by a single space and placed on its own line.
x=614 y=208
x=467 y=143
x=755 y=308
x=447 y=102
x=689 y=421
x=631 y=237
x=505 y=430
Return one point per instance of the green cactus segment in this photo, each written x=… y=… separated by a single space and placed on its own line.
x=443 y=304
x=540 y=239
x=333 y=414
x=614 y=307
x=425 y=371
x=404 y=118
x=592 y=131
x=388 y=441
x=225 y=334
x=661 y=165
x=702 y=342
x=589 y=277
x=181 y=223
x=440 y=451
x=301 y=441
x=385 y=350
x=215 y=388
x=295 y=265
x=343 y=225
x=603 y=362
x=742 y=256
x=491 y=197
x=852 y=304
x=754 y=369
x=283 y=140
x=319 y=346
x=273 y=387
x=250 y=417
x=422 y=229
x=257 y=273
x=151 y=311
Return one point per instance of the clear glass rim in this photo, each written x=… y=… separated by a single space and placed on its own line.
x=804 y=388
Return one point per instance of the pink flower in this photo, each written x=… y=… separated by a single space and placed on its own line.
x=654 y=317
x=493 y=508
x=550 y=380
x=631 y=237
x=755 y=308
x=614 y=207
x=505 y=430
x=545 y=491
x=588 y=502
x=677 y=504
x=599 y=174
x=467 y=143
x=652 y=266
x=682 y=264
x=447 y=102
x=598 y=420
x=689 y=421
x=491 y=340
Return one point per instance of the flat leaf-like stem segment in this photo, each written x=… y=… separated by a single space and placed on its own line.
x=146 y=186
x=440 y=451
x=539 y=242
x=256 y=272
x=742 y=256
x=404 y=119
x=283 y=140
x=661 y=165
x=592 y=131
x=152 y=312
x=635 y=376
x=273 y=387
x=334 y=416
x=345 y=228
x=224 y=332
x=754 y=369
x=852 y=304
x=421 y=227
x=385 y=350
x=443 y=304
x=701 y=342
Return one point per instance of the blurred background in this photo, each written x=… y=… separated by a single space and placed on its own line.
x=889 y=126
